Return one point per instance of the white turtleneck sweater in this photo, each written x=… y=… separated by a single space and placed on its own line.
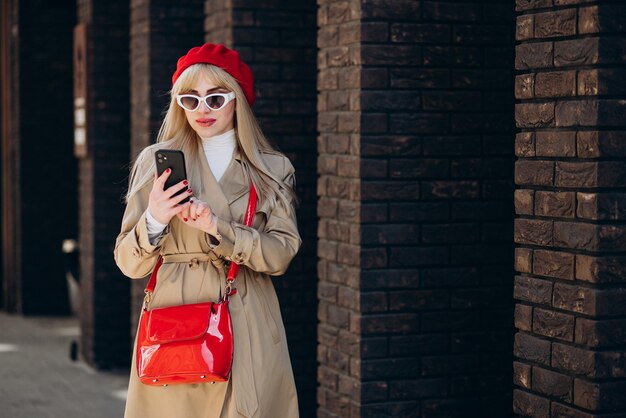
x=218 y=150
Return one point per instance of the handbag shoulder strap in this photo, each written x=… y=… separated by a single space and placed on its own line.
x=233 y=270
x=234 y=267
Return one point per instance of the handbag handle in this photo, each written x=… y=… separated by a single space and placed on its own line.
x=233 y=270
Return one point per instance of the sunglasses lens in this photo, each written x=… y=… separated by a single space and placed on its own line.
x=189 y=103
x=215 y=102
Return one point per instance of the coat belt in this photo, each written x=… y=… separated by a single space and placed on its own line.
x=194 y=258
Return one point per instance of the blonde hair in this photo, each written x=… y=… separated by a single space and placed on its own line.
x=176 y=133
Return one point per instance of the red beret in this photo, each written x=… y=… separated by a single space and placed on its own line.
x=222 y=57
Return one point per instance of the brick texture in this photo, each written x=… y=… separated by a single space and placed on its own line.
x=340 y=345
x=568 y=229
x=277 y=40
x=105 y=326
x=160 y=33
x=414 y=115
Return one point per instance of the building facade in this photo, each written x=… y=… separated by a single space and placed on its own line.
x=460 y=169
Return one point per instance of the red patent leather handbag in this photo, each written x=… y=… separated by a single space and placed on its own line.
x=188 y=343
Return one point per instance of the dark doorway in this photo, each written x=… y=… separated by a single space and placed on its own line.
x=38 y=165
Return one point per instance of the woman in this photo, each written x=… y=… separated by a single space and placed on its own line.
x=224 y=151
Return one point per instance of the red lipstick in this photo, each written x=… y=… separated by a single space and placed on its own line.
x=205 y=122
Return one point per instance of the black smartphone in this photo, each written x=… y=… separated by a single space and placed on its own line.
x=174 y=159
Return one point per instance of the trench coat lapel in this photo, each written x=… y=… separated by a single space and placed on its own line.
x=234 y=182
x=232 y=185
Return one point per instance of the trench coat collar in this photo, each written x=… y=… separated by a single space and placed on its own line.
x=232 y=185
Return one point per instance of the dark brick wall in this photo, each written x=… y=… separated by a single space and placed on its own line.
x=415 y=209
x=105 y=327
x=277 y=40
x=46 y=129
x=569 y=231
x=160 y=32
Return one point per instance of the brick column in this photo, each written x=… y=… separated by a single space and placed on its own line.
x=339 y=207
x=277 y=40
x=569 y=231
x=415 y=209
x=160 y=32
x=105 y=328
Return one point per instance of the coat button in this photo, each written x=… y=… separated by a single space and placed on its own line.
x=136 y=252
x=193 y=263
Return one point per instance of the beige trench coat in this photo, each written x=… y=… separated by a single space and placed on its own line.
x=261 y=383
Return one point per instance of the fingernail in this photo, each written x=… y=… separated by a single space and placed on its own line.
x=189 y=190
x=185 y=182
x=185 y=219
x=167 y=170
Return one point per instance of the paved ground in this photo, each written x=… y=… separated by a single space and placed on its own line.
x=38 y=379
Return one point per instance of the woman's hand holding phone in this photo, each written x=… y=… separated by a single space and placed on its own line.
x=162 y=203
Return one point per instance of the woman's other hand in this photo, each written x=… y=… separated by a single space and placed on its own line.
x=199 y=215
x=162 y=203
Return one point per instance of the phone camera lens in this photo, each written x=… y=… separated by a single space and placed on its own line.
x=160 y=160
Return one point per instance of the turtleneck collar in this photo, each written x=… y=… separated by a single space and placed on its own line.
x=225 y=140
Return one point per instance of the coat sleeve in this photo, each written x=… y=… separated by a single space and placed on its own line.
x=269 y=251
x=134 y=254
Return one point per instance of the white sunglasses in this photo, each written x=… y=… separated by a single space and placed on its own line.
x=214 y=101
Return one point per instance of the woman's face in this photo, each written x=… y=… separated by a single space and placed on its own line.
x=207 y=122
